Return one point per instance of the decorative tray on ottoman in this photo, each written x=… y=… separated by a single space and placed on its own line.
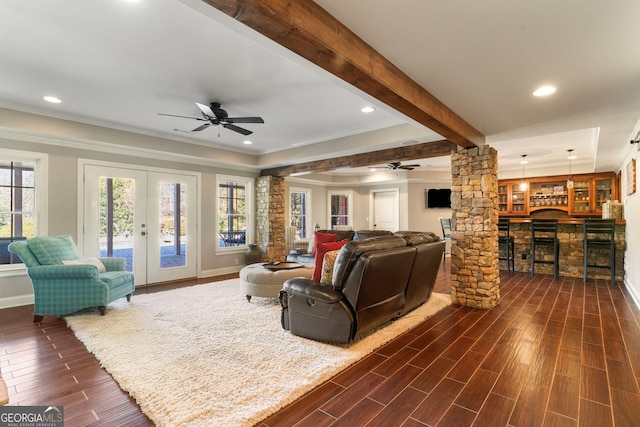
x=273 y=266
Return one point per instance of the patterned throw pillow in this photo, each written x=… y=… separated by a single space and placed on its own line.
x=321 y=249
x=53 y=250
x=327 y=267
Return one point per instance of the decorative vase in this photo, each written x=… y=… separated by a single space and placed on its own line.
x=253 y=254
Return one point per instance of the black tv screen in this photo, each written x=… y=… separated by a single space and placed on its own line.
x=438 y=198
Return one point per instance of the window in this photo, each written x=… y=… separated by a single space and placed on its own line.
x=299 y=210
x=340 y=208
x=20 y=199
x=234 y=211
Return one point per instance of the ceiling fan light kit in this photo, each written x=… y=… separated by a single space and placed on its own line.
x=214 y=115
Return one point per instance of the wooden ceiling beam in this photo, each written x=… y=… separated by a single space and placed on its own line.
x=410 y=152
x=311 y=32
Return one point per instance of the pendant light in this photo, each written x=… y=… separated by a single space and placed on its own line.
x=570 y=180
x=523 y=184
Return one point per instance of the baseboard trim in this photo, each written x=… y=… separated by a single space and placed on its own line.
x=220 y=271
x=16 y=301
x=631 y=289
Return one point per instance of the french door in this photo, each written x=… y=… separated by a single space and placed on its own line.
x=149 y=218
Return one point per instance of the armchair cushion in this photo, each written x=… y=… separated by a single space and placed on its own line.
x=116 y=278
x=53 y=250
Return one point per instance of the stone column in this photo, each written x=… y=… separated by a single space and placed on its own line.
x=270 y=221
x=475 y=278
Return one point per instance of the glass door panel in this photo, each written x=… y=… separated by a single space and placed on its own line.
x=172 y=227
x=115 y=209
x=518 y=199
x=581 y=197
x=503 y=198
x=604 y=192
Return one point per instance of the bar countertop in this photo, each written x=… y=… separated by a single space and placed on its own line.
x=565 y=221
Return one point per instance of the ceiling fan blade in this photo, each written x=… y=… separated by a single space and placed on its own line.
x=202 y=127
x=184 y=117
x=244 y=120
x=237 y=129
x=206 y=110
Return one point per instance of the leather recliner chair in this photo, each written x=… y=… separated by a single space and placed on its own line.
x=371 y=279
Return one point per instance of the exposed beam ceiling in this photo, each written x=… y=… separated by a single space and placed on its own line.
x=417 y=151
x=309 y=31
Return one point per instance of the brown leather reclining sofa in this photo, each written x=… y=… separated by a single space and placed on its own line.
x=304 y=257
x=374 y=280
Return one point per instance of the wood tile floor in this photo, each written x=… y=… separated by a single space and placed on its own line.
x=553 y=353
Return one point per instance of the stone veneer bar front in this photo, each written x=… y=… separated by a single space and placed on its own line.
x=570 y=238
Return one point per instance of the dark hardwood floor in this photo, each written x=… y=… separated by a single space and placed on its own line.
x=553 y=353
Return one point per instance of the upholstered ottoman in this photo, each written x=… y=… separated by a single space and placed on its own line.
x=258 y=281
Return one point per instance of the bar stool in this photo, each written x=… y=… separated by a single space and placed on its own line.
x=545 y=232
x=600 y=234
x=505 y=241
x=445 y=223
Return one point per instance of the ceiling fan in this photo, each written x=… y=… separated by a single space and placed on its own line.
x=398 y=165
x=215 y=115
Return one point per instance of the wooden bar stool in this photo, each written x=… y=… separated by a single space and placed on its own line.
x=545 y=232
x=505 y=241
x=600 y=234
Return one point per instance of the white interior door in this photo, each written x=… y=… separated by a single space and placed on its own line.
x=146 y=217
x=385 y=210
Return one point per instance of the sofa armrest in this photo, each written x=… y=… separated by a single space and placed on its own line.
x=312 y=289
x=113 y=263
x=59 y=271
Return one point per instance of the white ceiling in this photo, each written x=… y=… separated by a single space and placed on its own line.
x=116 y=63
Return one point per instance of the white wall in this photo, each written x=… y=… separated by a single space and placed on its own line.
x=422 y=218
x=631 y=212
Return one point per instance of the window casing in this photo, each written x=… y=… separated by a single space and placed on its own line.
x=300 y=211
x=340 y=208
x=22 y=200
x=235 y=212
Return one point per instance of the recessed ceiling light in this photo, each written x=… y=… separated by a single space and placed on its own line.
x=52 y=99
x=544 y=91
x=247 y=142
x=373 y=169
x=572 y=157
x=368 y=109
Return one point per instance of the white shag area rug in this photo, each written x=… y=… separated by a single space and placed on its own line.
x=204 y=356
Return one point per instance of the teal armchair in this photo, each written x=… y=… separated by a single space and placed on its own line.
x=64 y=282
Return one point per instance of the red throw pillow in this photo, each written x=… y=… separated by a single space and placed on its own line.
x=322 y=249
x=322 y=238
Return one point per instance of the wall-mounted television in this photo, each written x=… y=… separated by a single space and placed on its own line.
x=438 y=198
